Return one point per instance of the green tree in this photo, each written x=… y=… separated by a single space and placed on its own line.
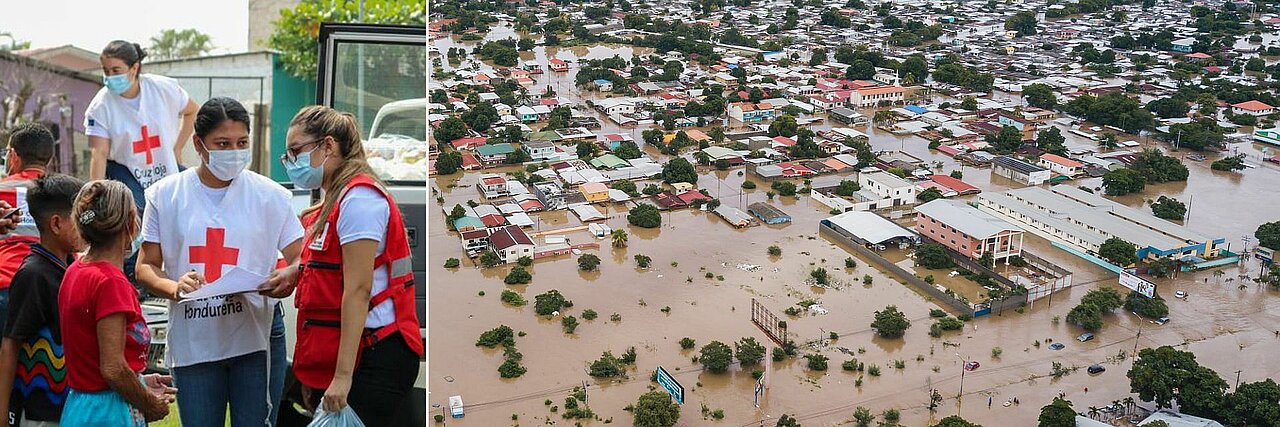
x=586 y=149
x=449 y=163
x=525 y=44
x=179 y=44
x=914 y=69
x=1040 y=95
x=890 y=323
x=1023 y=22
x=548 y=302
x=1252 y=404
x=588 y=262
x=928 y=195
x=956 y=421
x=607 y=366
x=296 y=30
x=1123 y=181
x=1160 y=371
x=933 y=256
x=1051 y=141
x=748 y=351
x=1007 y=141
x=518 y=276
x=1088 y=316
x=655 y=409
x=627 y=150
x=1229 y=163
x=1157 y=167
x=489 y=259
x=645 y=215
x=481 y=117
x=969 y=103
x=1153 y=308
x=619 y=238
x=847 y=187
x=817 y=362
x=450 y=129
x=786 y=421
x=1268 y=235
x=1057 y=414
x=1168 y=208
x=860 y=70
x=863 y=417
x=716 y=356
x=1106 y=299
x=783 y=126
x=1118 y=251
x=679 y=170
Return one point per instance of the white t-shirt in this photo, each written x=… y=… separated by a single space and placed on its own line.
x=142 y=136
x=363 y=215
x=211 y=231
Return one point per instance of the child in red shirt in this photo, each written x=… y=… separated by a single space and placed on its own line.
x=101 y=317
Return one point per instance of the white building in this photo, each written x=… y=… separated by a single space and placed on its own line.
x=888 y=186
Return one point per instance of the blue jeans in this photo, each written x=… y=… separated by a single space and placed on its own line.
x=206 y=389
x=278 y=362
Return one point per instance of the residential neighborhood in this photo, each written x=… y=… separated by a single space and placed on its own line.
x=916 y=191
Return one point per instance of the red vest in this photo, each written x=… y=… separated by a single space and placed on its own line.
x=15 y=246
x=319 y=293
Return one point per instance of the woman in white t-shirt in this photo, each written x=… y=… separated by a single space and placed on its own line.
x=137 y=125
x=229 y=349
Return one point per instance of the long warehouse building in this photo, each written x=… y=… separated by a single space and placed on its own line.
x=1086 y=220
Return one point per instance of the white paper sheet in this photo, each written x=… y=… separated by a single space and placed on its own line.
x=236 y=281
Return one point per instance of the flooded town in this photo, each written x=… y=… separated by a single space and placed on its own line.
x=821 y=213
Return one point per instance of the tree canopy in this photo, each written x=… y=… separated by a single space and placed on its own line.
x=645 y=215
x=1168 y=208
x=655 y=409
x=1118 y=251
x=1024 y=23
x=1123 y=181
x=890 y=323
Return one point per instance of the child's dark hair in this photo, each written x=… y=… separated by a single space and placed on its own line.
x=130 y=53
x=52 y=194
x=218 y=110
x=33 y=142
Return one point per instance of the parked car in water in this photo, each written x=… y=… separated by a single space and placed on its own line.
x=1162 y=320
x=1085 y=337
x=1097 y=369
x=1056 y=346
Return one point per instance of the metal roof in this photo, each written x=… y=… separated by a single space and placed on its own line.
x=966 y=219
x=868 y=226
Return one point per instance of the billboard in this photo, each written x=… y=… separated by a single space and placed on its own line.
x=1137 y=284
x=672 y=386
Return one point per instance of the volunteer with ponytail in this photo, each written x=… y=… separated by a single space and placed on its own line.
x=137 y=124
x=359 y=341
x=197 y=228
x=104 y=336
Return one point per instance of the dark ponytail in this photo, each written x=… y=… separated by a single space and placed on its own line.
x=130 y=53
x=218 y=110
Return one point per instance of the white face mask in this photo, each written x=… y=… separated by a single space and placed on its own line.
x=227 y=164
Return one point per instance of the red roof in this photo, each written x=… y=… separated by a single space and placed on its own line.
x=509 y=236
x=475 y=234
x=1197 y=55
x=469 y=143
x=493 y=180
x=531 y=205
x=1252 y=106
x=954 y=184
x=784 y=140
x=949 y=150
x=1061 y=160
x=691 y=195
x=469 y=161
x=493 y=220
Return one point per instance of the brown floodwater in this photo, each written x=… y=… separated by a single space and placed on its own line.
x=1228 y=328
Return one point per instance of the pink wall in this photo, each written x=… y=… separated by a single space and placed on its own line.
x=942 y=234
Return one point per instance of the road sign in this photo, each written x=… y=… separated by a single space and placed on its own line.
x=1137 y=284
x=971 y=365
x=673 y=387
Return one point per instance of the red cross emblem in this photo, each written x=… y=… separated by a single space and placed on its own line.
x=146 y=144
x=214 y=254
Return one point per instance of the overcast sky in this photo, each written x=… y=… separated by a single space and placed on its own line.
x=92 y=24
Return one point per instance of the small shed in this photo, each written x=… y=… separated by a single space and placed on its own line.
x=768 y=213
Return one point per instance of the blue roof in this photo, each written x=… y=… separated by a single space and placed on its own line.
x=602 y=81
x=467 y=221
x=731 y=66
x=916 y=109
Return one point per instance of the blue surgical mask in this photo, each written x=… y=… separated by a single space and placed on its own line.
x=117 y=84
x=303 y=175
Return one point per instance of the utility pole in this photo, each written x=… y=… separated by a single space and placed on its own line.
x=1237 y=387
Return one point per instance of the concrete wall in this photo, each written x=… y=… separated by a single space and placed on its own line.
x=244 y=77
x=262 y=17
x=930 y=292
